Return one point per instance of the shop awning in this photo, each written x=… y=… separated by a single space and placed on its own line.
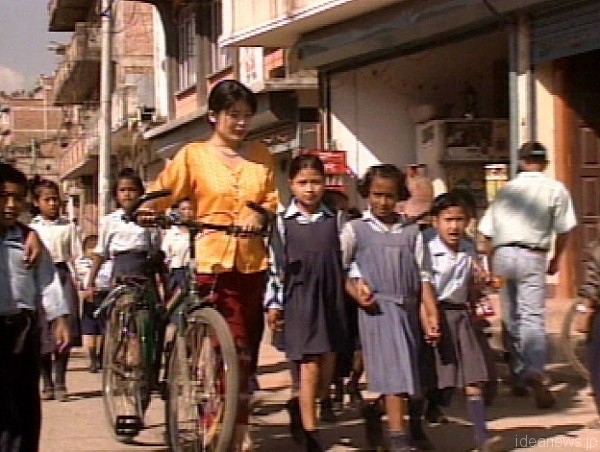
x=402 y=28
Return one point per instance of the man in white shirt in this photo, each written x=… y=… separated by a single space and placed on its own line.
x=520 y=225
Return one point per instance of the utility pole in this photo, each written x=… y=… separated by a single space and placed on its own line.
x=104 y=120
x=33 y=148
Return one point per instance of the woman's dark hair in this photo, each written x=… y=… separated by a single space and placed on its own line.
x=9 y=173
x=386 y=171
x=447 y=200
x=131 y=175
x=306 y=161
x=38 y=184
x=227 y=92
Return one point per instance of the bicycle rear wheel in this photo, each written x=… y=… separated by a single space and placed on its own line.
x=203 y=385
x=123 y=376
x=574 y=343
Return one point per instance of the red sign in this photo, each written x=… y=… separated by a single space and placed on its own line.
x=334 y=161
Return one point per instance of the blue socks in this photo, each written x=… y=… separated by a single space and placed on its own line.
x=476 y=409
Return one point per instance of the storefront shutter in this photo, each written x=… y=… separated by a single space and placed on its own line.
x=568 y=27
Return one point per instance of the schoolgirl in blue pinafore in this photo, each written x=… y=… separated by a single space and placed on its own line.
x=309 y=291
x=390 y=280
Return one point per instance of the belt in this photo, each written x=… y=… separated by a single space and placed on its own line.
x=525 y=247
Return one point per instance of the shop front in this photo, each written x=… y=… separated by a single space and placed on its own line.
x=566 y=57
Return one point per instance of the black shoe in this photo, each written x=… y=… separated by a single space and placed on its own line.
x=434 y=416
x=354 y=392
x=544 y=398
x=93 y=367
x=519 y=391
x=313 y=442
x=373 y=425
x=338 y=398
x=326 y=414
x=296 y=429
x=419 y=439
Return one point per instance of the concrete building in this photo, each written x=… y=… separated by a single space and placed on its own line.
x=494 y=74
x=31 y=132
x=77 y=86
x=194 y=60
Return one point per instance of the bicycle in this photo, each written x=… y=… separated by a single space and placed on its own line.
x=202 y=369
x=573 y=342
x=132 y=351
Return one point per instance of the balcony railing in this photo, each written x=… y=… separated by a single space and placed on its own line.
x=78 y=75
x=79 y=156
x=64 y=14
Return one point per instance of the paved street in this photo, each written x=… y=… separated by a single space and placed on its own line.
x=78 y=425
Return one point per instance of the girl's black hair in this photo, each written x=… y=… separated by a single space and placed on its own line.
x=386 y=171
x=306 y=161
x=447 y=200
x=38 y=184
x=227 y=92
x=9 y=173
x=128 y=174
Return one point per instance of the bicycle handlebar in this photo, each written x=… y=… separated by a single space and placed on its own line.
x=166 y=221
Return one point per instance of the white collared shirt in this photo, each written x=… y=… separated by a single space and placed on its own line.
x=528 y=210
x=176 y=246
x=59 y=237
x=451 y=271
x=348 y=243
x=21 y=286
x=117 y=236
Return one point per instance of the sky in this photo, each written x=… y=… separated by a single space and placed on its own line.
x=24 y=38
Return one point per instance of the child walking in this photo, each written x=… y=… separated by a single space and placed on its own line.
x=311 y=291
x=92 y=327
x=60 y=238
x=134 y=250
x=391 y=260
x=129 y=245
x=460 y=360
x=23 y=287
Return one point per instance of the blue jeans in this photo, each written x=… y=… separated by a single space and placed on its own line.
x=523 y=299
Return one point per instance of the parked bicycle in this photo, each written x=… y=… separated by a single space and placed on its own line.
x=202 y=365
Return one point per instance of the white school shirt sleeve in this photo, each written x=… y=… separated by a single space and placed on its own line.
x=103 y=238
x=348 y=245
x=49 y=288
x=423 y=258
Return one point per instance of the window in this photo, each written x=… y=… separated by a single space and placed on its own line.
x=220 y=58
x=187 y=48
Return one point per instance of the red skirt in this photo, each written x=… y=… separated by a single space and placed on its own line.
x=239 y=299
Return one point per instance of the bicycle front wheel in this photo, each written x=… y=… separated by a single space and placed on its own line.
x=574 y=343
x=203 y=385
x=123 y=373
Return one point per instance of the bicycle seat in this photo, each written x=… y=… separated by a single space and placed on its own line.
x=132 y=280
